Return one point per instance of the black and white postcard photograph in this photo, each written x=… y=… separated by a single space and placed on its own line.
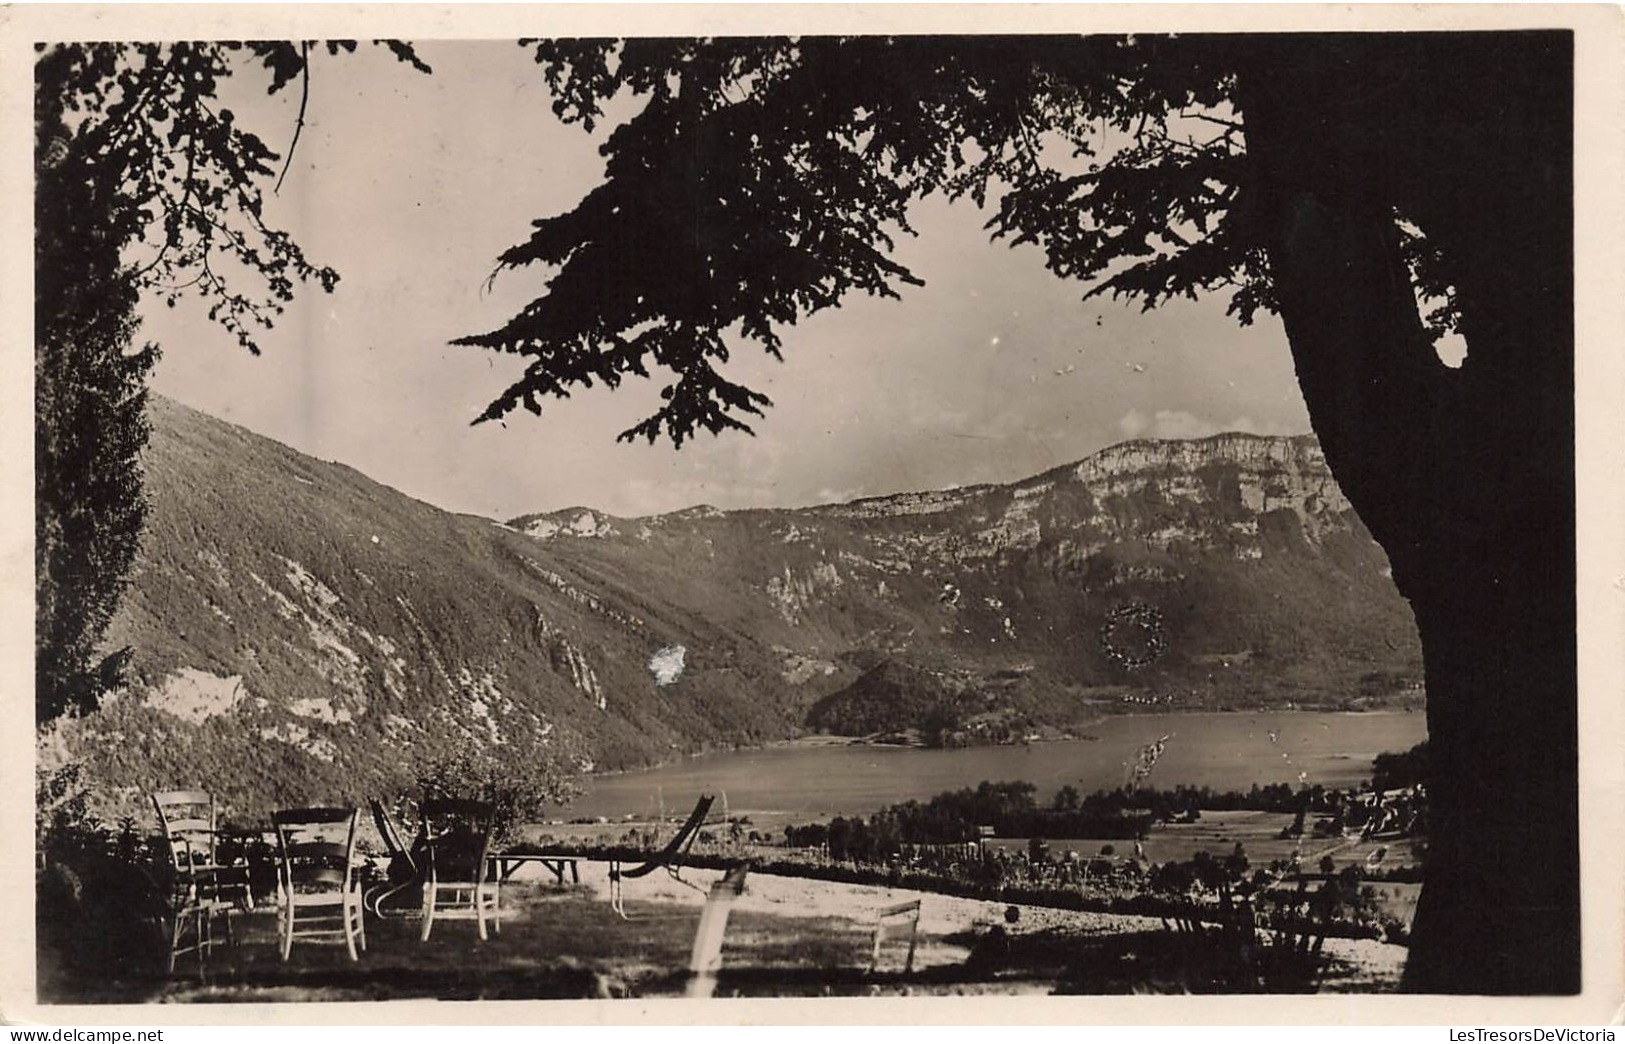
x=805 y=514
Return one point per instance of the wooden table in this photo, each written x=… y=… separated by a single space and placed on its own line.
x=506 y=863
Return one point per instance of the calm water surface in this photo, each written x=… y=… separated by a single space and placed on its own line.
x=1223 y=751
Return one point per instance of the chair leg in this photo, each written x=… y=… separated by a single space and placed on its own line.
x=203 y=935
x=177 y=930
x=287 y=930
x=189 y=919
x=617 y=893
x=360 y=921
x=429 y=889
x=479 y=908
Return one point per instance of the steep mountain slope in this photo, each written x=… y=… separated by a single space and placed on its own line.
x=303 y=633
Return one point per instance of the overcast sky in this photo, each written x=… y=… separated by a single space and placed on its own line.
x=410 y=186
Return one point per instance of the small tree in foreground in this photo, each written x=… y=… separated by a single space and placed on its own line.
x=520 y=785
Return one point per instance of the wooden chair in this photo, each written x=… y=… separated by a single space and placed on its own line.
x=899 y=921
x=670 y=857
x=456 y=854
x=202 y=890
x=405 y=873
x=321 y=896
x=706 y=957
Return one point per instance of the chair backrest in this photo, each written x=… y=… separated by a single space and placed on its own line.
x=680 y=842
x=684 y=838
x=187 y=820
x=317 y=847
x=457 y=837
x=390 y=832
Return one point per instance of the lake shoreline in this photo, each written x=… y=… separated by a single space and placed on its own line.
x=1069 y=735
x=1221 y=750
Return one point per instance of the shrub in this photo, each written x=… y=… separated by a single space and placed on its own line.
x=519 y=784
x=100 y=896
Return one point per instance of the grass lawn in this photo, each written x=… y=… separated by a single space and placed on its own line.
x=554 y=943
x=787 y=937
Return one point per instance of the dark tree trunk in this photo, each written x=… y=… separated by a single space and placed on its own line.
x=1464 y=476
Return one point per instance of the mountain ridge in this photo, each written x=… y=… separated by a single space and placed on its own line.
x=1306 y=445
x=295 y=620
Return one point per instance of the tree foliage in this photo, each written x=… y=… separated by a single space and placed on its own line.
x=143 y=184
x=519 y=785
x=1395 y=770
x=765 y=179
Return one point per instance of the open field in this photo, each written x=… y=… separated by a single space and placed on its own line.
x=1218 y=833
x=787 y=937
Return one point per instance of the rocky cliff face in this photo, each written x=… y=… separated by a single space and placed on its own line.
x=1267 y=588
x=302 y=633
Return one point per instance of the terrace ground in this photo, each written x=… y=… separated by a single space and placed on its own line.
x=787 y=937
x=1216 y=832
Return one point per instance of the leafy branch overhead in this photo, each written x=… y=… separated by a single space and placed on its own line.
x=762 y=180
x=143 y=182
x=183 y=177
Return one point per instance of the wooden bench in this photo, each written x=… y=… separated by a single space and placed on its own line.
x=507 y=863
x=897 y=921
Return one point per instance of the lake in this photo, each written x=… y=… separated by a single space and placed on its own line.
x=1229 y=751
